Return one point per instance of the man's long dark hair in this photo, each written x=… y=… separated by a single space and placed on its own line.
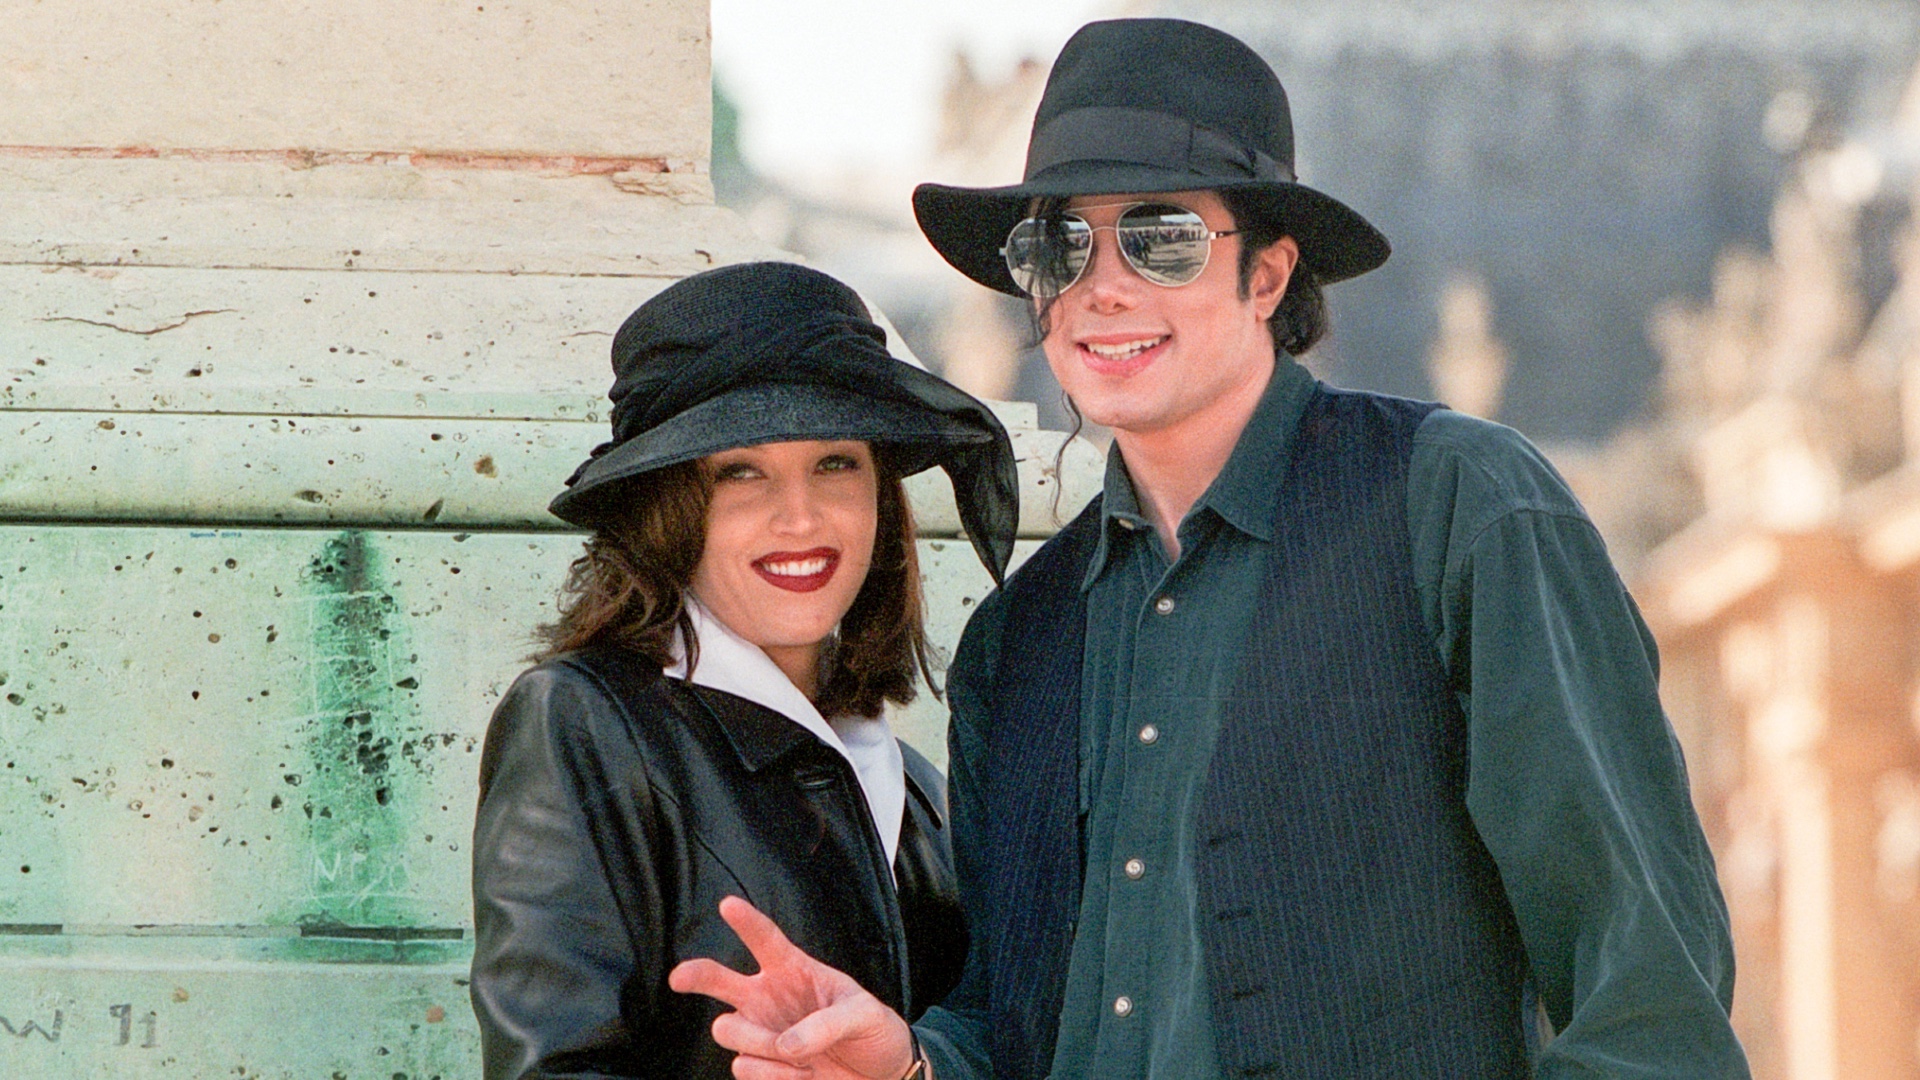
x=1300 y=321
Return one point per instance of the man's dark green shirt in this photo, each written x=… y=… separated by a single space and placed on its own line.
x=1575 y=782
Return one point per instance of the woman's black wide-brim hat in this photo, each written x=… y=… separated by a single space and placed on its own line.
x=1154 y=105
x=775 y=352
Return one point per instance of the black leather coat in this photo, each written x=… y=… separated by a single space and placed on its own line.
x=618 y=807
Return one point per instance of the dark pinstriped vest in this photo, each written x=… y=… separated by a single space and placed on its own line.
x=1354 y=924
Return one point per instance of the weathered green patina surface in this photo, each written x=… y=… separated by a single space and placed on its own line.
x=237 y=757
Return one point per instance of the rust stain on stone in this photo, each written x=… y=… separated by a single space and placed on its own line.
x=300 y=158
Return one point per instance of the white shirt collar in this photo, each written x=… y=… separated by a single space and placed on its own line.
x=734 y=665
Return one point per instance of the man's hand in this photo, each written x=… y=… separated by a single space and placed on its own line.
x=797 y=1018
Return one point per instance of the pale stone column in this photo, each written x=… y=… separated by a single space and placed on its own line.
x=1812 y=688
x=565 y=139
x=304 y=310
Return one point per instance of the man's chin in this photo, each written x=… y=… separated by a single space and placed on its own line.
x=1127 y=407
x=1121 y=419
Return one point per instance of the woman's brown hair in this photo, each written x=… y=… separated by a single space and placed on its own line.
x=629 y=589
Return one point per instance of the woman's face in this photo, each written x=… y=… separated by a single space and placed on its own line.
x=790 y=532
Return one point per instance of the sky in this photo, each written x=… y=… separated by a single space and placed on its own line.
x=830 y=87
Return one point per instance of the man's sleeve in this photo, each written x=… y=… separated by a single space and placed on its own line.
x=1575 y=782
x=957 y=1033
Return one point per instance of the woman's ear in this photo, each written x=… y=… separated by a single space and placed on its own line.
x=1273 y=267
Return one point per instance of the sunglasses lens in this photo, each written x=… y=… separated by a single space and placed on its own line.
x=1168 y=245
x=1046 y=256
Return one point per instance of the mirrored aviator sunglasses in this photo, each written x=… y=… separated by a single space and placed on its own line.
x=1166 y=244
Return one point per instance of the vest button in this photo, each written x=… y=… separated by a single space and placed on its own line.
x=1123 y=1006
x=1136 y=869
x=1149 y=734
x=1164 y=605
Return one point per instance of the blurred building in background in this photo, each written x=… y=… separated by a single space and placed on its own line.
x=1771 y=508
x=1584 y=161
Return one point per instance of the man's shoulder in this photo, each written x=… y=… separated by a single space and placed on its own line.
x=1055 y=564
x=1474 y=463
x=1065 y=553
x=1054 y=569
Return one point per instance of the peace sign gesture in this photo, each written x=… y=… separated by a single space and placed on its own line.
x=797 y=1018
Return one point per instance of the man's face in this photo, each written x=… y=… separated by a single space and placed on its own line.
x=1143 y=358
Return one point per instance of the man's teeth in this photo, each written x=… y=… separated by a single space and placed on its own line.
x=1123 y=352
x=800 y=568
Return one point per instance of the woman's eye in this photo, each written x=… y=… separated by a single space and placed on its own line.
x=839 y=463
x=738 y=470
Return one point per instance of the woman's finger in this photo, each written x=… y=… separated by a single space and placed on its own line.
x=742 y=1036
x=761 y=935
x=753 y=1068
x=712 y=978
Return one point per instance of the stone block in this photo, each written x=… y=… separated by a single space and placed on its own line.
x=499 y=78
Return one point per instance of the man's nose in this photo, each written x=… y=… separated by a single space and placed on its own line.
x=1108 y=280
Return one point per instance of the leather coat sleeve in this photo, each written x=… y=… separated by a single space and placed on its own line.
x=559 y=957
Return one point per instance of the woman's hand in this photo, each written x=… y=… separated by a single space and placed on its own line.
x=797 y=1018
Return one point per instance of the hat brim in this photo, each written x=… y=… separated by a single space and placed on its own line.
x=968 y=226
x=911 y=439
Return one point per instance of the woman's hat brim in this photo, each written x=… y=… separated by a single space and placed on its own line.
x=910 y=439
x=969 y=226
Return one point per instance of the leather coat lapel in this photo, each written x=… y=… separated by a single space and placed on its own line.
x=758 y=734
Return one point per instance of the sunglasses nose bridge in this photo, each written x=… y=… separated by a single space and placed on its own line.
x=1108 y=254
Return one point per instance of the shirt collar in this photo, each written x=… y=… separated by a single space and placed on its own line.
x=1246 y=494
x=730 y=663
x=1119 y=513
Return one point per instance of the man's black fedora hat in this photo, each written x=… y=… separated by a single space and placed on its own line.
x=1152 y=105
x=775 y=352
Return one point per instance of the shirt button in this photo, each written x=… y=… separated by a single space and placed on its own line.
x=1136 y=869
x=1123 y=1006
x=1149 y=734
x=1164 y=605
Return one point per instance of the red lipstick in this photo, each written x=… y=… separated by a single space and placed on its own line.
x=798 y=571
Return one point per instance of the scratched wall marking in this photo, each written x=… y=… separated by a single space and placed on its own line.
x=121 y=1025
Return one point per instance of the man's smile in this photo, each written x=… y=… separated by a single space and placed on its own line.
x=1117 y=355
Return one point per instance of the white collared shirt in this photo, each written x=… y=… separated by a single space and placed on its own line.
x=731 y=663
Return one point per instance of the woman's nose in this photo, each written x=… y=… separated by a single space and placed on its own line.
x=797 y=508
